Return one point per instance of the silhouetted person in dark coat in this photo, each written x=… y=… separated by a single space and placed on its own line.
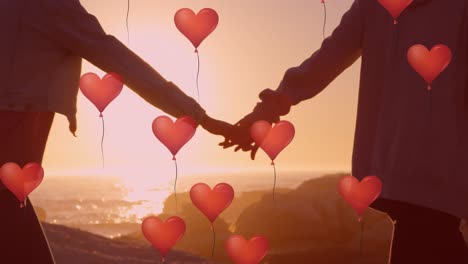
x=43 y=43
x=416 y=141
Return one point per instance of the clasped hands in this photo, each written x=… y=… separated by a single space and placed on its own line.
x=272 y=106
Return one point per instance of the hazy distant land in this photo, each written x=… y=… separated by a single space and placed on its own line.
x=310 y=224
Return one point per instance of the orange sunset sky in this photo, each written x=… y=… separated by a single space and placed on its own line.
x=253 y=45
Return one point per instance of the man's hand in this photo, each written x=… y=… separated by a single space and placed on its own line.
x=272 y=106
x=240 y=135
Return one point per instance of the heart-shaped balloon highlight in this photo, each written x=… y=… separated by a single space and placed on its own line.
x=272 y=139
x=174 y=135
x=395 y=7
x=429 y=64
x=211 y=202
x=163 y=235
x=101 y=92
x=242 y=251
x=21 y=182
x=196 y=27
x=360 y=194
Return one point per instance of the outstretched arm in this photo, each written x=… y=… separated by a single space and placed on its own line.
x=337 y=52
x=67 y=23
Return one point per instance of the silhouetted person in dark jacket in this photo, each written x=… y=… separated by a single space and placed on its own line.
x=421 y=154
x=43 y=43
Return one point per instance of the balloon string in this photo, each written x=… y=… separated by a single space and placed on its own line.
x=214 y=241
x=175 y=184
x=198 y=74
x=102 y=141
x=274 y=183
x=362 y=237
x=430 y=108
x=126 y=21
x=324 y=18
x=391 y=242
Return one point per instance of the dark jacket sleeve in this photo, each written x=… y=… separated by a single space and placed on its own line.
x=337 y=52
x=67 y=23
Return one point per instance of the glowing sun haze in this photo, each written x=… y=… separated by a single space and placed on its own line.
x=254 y=44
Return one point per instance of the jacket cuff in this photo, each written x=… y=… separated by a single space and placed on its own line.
x=72 y=123
x=198 y=114
x=286 y=88
x=186 y=104
x=279 y=102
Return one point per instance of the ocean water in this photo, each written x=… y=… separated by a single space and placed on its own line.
x=113 y=206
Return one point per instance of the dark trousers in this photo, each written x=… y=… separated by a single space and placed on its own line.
x=423 y=235
x=23 y=136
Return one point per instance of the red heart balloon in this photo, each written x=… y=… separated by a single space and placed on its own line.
x=196 y=27
x=174 y=135
x=429 y=64
x=360 y=194
x=211 y=202
x=242 y=251
x=272 y=139
x=395 y=7
x=21 y=182
x=101 y=92
x=163 y=235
